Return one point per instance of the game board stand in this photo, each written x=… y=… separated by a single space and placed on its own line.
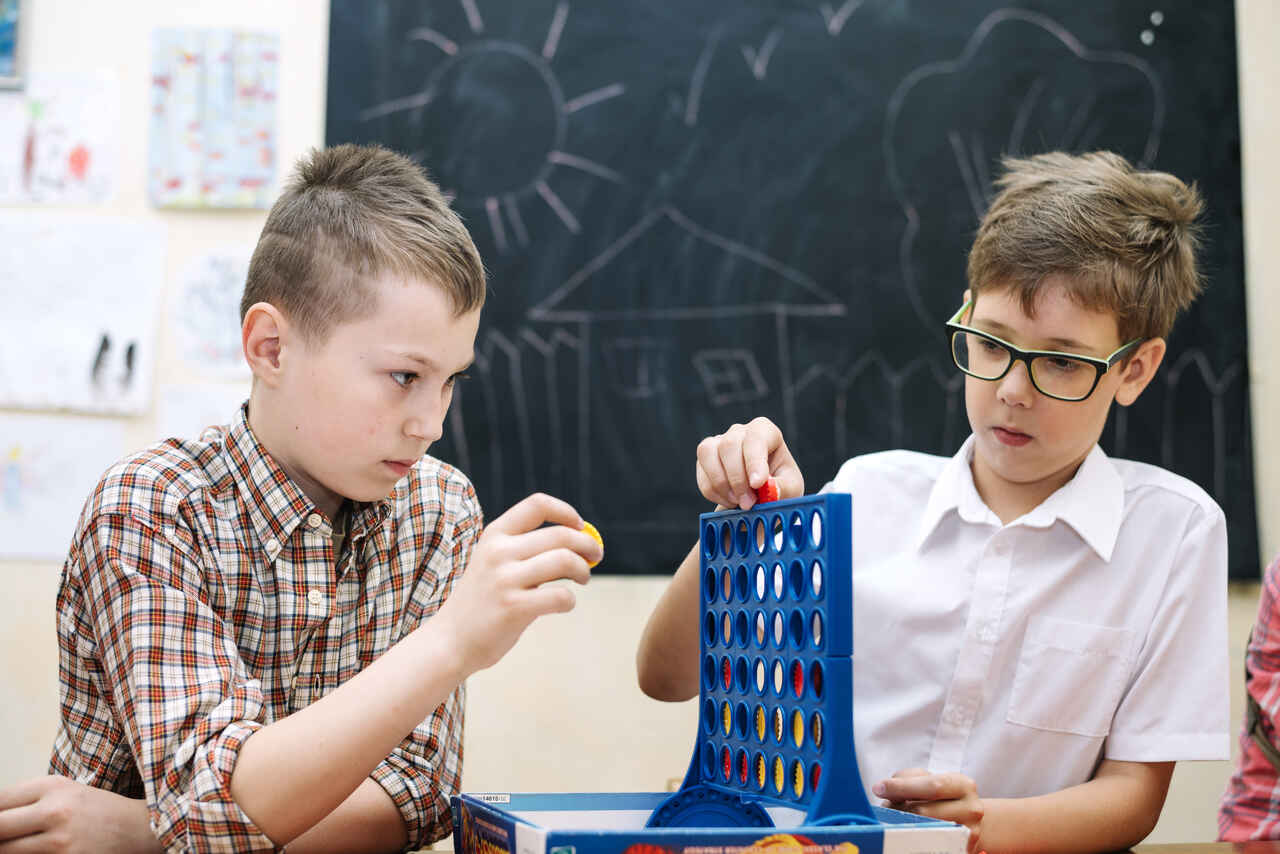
x=776 y=670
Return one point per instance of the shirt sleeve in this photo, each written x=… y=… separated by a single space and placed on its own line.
x=425 y=770
x=171 y=673
x=1177 y=704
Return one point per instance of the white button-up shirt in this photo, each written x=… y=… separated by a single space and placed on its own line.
x=1094 y=626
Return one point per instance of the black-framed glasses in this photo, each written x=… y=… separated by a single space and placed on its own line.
x=1062 y=376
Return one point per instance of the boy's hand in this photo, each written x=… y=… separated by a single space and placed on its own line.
x=57 y=814
x=502 y=590
x=953 y=797
x=733 y=465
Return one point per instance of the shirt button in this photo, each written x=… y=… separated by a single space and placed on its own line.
x=314 y=520
x=316 y=598
x=273 y=546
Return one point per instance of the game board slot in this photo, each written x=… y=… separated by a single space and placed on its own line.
x=815 y=732
x=740 y=722
x=815 y=578
x=779 y=775
x=709 y=585
x=742 y=583
x=815 y=775
x=726 y=540
x=797 y=778
x=779 y=630
x=799 y=636
x=726 y=763
x=709 y=540
x=778 y=724
x=815 y=629
x=741 y=674
x=795 y=575
x=815 y=529
x=762 y=775
x=761 y=724
x=709 y=628
x=796 y=529
x=762 y=539
x=709 y=672
x=797 y=727
x=726 y=628
x=744 y=768
x=779 y=581
x=742 y=540
x=761 y=681
x=762 y=582
x=741 y=629
x=816 y=676
x=777 y=533
x=797 y=678
x=762 y=630
x=726 y=584
x=726 y=718
x=779 y=678
x=726 y=671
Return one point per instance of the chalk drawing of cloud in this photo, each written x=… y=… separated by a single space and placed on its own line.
x=1023 y=84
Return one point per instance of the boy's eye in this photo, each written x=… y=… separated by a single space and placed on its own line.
x=1064 y=366
x=404 y=379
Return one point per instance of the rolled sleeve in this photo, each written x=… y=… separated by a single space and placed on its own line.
x=425 y=771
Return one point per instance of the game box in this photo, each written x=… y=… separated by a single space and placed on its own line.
x=614 y=823
x=774 y=766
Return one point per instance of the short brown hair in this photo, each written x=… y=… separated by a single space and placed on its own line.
x=351 y=213
x=1126 y=239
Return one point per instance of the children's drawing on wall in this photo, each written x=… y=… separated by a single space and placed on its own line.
x=206 y=313
x=82 y=297
x=9 y=44
x=48 y=465
x=213 y=118
x=58 y=141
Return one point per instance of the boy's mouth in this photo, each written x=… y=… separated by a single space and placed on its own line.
x=400 y=467
x=1011 y=437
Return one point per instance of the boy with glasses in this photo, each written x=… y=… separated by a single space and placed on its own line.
x=1039 y=630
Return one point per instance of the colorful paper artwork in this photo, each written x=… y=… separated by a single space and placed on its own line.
x=58 y=138
x=9 y=43
x=206 y=313
x=48 y=467
x=78 y=330
x=213 y=116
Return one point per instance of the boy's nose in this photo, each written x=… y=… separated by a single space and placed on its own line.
x=1015 y=388
x=427 y=425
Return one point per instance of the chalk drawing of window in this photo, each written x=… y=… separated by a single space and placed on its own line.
x=730 y=376
x=638 y=366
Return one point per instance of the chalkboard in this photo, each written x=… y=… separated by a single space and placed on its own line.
x=697 y=212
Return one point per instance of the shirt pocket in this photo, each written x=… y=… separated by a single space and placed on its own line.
x=1070 y=676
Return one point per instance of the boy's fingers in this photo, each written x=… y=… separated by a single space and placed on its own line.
x=17 y=822
x=708 y=490
x=912 y=785
x=755 y=455
x=525 y=546
x=713 y=470
x=552 y=566
x=730 y=451
x=550 y=600
x=534 y=511
x=26 y=792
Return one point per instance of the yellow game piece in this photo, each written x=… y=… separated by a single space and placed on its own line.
x=595 y=535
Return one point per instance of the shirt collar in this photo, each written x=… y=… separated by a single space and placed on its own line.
x=1092 y=502
x=276 y=505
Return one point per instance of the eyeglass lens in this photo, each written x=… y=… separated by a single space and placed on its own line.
x=1059 y=376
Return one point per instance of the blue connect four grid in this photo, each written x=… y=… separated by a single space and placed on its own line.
x=776 y=697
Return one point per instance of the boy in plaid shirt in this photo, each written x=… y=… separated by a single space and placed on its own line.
x=264 y=633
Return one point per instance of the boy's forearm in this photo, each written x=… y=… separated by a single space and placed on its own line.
x=667 y=658
x=296 y=771
x=367 y=821
x=1111 y=812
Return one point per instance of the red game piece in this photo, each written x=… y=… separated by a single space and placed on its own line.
x=768 y=492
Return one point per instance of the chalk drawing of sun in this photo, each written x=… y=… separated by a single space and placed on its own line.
x=496 y=117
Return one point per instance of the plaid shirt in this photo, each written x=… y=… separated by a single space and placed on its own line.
x=1250 y=807
x=200 y=601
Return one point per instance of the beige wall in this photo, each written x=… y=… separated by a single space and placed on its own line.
x=561 y=712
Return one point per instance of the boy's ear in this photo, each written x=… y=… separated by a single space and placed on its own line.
x=262 y=336
x=1140 y=370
